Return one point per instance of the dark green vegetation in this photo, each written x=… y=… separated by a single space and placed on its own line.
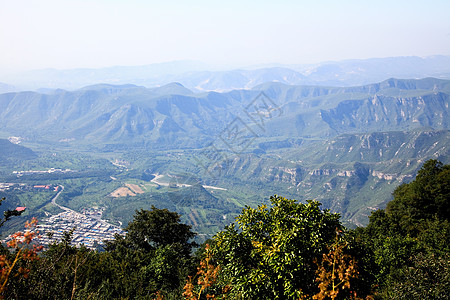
x=408 y=241
x=272 y=253
x=287 y=250
x=11 y=153
x=8 y=213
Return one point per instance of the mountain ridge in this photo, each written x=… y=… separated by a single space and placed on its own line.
x=105 y=113
x=197 y=77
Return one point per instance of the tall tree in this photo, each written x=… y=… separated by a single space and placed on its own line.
x=154 y=255
x=426 y=197
x=272 y=252
x=151 y=229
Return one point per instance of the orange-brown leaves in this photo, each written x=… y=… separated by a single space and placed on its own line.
x=24 y=251
x=335 y=271
x=207 y=275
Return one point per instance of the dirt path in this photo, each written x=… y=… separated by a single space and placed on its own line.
x=159 y=176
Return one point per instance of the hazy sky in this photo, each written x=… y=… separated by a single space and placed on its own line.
x=97 y=33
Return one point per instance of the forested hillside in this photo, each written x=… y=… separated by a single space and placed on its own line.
x=12 y=153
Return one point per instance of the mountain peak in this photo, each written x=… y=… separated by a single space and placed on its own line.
x=173 y=88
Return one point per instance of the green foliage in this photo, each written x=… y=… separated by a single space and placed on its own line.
x=153 y=256
x=392 y=253
x=7 y=214
x=414 y=225
x=159 y=228
x=426 y=197
x=427 y=277
x=57 y=274
x=271 y=254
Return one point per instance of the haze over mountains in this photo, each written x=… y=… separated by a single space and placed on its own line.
x=305 y=132
x=198 y=76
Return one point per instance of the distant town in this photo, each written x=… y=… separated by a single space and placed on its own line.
x=88 y=230
x=51 y=170
x=87 y=227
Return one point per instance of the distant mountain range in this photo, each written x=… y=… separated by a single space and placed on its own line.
x=173 y=117
x=199 y=77
x=6 y=88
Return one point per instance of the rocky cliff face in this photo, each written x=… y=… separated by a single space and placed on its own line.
x=349 y=173
x=379 y=113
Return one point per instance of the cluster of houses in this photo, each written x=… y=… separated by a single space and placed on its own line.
x=86 y=231
x=49 y=171
x=87 y=228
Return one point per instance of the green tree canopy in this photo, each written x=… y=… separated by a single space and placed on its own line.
x=426 y=197
x=414 y=224
x=151 y=229
x=272 y=252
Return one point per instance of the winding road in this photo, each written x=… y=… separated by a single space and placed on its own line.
x=56 y=197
